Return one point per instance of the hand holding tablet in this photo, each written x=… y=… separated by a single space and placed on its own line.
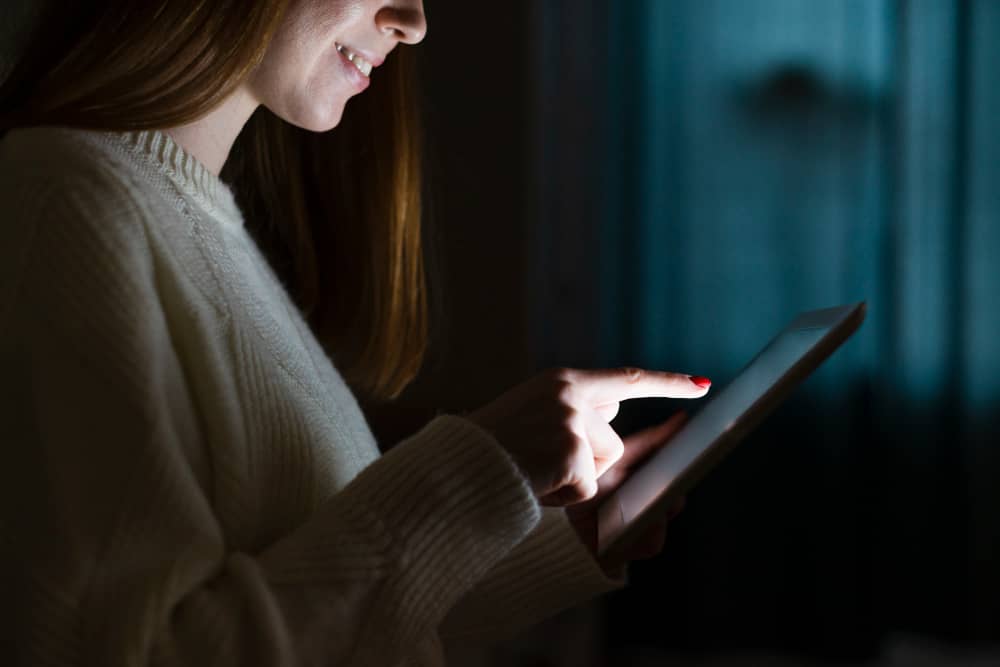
x=556 y=429
x=728 y=416
x=555 y=425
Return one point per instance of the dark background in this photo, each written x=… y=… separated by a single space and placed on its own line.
x=665 y=183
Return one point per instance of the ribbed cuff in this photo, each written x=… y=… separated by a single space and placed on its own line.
x=548 y=572
x=453 y=504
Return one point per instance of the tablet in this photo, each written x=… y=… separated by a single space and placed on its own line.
x=729 y=415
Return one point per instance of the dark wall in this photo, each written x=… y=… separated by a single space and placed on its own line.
x=16 y=16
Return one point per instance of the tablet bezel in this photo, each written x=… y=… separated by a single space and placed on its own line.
x=614 y=535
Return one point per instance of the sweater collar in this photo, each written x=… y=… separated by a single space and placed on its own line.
x=189 y=175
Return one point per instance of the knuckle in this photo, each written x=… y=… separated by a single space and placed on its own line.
x=567 y=471
x=564 y=476
x=572 y=423
x=588 y=489
x=561 y=384
x=572 y=460
x=565 y=392
x=559 y=374
x=631 y=374
x=568 y=446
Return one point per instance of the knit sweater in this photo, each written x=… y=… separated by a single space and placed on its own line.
x=188 y=480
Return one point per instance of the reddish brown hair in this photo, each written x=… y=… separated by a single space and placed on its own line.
x=338 y=214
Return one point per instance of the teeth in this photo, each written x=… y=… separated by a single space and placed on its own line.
x=363 y=65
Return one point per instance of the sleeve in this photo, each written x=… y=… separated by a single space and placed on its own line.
x=549 y=572
x=112 y=552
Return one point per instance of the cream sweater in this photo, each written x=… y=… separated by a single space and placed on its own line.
x=188 y=481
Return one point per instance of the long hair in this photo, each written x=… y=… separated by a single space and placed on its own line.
x=337 y=214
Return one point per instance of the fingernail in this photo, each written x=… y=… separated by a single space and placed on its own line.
x=702 y=382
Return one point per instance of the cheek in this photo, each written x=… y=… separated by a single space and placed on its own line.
x=318 y=99
x=301 y=79
x=305 y=86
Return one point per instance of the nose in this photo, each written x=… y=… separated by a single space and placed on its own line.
x=403 y=20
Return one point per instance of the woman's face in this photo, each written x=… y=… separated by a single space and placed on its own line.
x=325 y=51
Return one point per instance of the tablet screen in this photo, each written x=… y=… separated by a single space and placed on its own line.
x=724 y=419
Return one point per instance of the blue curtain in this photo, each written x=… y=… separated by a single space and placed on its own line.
x=763 y=157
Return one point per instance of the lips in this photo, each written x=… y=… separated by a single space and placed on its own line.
x=350 y=71
x=355 y=59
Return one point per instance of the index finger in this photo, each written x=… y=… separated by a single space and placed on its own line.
x=603 y=386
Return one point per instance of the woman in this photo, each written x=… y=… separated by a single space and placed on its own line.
x=195 y=270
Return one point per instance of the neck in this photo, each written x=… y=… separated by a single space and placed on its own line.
x=210 y=138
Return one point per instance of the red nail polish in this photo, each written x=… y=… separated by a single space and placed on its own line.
x=701 y=381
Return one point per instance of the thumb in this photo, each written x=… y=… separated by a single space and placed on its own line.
x=641 y=444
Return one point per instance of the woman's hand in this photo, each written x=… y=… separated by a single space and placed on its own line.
x=638 y=447
x=555 y=425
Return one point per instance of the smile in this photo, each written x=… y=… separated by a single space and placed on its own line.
x=363 y=65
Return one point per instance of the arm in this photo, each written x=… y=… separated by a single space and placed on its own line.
x=116 y=556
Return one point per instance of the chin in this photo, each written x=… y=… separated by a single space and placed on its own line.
x=316 y=124
x=321 y=119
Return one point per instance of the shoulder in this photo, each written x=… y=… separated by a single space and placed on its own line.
x=56 y=169
x=61 y=186
x=72 y=215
